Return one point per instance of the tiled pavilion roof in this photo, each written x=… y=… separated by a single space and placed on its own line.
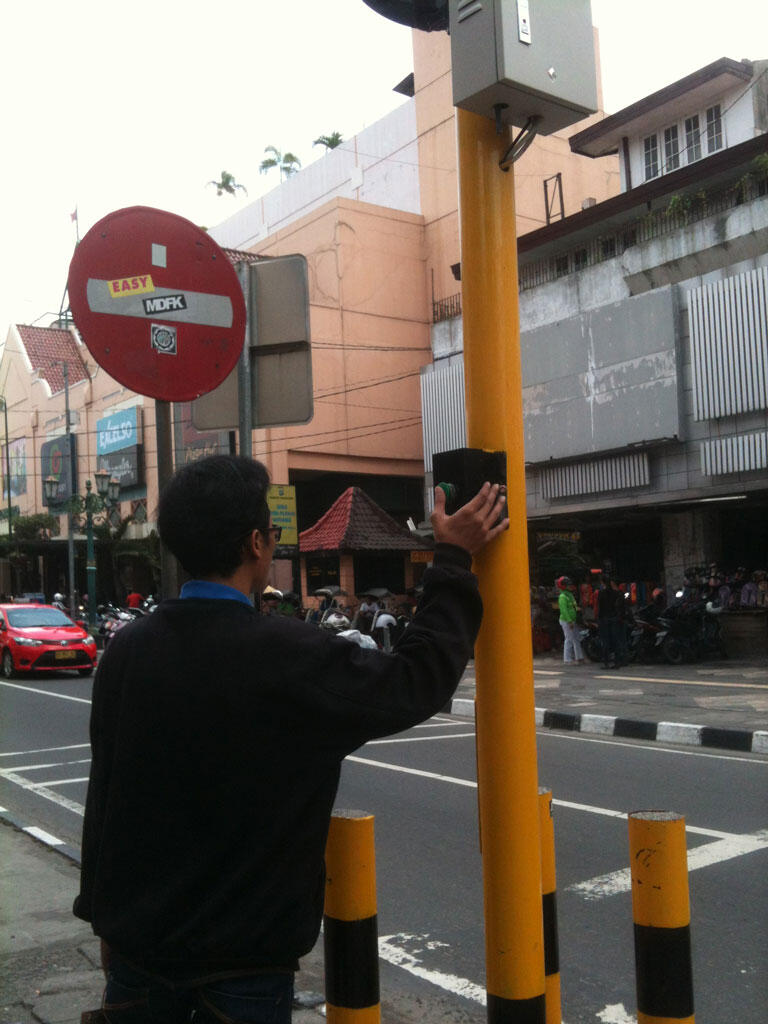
x=47 y=348
x=356 y=523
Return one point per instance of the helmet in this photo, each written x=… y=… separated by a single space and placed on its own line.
x=58 y=597
x=563 y=581
x=658 y=592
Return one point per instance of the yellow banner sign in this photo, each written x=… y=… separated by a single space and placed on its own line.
x=281 y=499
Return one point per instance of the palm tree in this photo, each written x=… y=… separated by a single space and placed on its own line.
x=227 y=184
x=329 y=141
x=286 y=163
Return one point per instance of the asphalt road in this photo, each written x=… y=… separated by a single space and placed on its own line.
x=421 y=789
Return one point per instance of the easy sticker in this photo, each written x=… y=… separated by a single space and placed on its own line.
x=137 y=285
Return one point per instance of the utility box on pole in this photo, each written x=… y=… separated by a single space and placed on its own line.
x=524 y=59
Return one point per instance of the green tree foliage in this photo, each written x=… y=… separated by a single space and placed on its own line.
x=286 y=163
x=227 y=184
x=329 y=141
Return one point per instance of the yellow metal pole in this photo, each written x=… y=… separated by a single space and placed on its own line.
x=549 y=908
x=506 y=734
x=662 y=917
x=350 y=924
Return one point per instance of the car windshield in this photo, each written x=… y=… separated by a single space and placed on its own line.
x=23 y=618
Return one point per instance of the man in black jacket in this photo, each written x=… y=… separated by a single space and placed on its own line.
x=217 y=738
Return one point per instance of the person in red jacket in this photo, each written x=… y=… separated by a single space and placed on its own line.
x=134 y=599
x=217 y=738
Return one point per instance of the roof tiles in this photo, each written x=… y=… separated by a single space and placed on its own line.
x=47 y=348
x=356 y=523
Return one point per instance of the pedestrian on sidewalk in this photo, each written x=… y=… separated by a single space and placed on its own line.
x=610 y=623
x=217 y=737
x=569 y=614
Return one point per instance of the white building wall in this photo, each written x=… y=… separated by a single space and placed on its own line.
x=378 y=166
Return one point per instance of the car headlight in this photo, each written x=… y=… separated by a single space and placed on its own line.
x=89 y=641
x=25 y=641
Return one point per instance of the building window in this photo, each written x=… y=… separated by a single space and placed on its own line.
x=139 y=510
x=580 y=259
x=651 y=147
x=714 y=129
x=607 y=248
x=671 y=148
x=561 y=266
x=692 y=139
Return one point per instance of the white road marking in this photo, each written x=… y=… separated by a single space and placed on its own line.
x=43 y=791
x=656 y=748
x=681 y=682
x=392 y=954
x=701 y=857
x=45 y=750
x=412 y=771
x=56 y=782
x=45 y=693
x=37 y=767
x=421 y=739
x=616 y=1014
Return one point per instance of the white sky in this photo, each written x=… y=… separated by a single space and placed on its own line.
x=107 y=105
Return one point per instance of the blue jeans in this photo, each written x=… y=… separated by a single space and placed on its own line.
x=133 y=996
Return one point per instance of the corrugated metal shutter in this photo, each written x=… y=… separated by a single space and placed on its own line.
x=737 y=454
x=444 y=425
x=614 y=473
x=728 y=323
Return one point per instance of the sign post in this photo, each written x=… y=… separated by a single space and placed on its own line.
x=160 y=307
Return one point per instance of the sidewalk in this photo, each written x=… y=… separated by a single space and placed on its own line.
x=50 y=968
x=721 y=704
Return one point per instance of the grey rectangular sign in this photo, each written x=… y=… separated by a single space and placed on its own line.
x=280 y=352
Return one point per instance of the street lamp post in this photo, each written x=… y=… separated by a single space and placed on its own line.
x=7 y=463
x=92 y=505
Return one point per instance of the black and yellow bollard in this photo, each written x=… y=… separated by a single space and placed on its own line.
x=661 y=911
x=350 y=925
x=549 y=909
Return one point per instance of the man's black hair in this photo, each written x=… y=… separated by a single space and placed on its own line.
x=207 y=510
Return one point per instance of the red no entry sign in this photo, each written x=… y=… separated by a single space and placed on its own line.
x=158 y=303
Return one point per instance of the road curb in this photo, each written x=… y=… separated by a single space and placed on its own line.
x=39 y=835
x=683 y=733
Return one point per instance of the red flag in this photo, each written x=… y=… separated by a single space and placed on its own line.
x=73 y=215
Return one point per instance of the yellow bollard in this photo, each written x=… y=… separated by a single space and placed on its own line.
x=662 y=917
x=505 y=711
x=350 y=924
x=549 y=909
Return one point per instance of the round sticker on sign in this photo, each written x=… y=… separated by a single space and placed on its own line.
x=158 y=303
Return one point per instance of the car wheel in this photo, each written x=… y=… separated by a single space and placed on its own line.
x=85 y=671
x=8 y=670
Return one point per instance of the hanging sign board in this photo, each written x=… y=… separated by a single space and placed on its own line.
x=158 y=303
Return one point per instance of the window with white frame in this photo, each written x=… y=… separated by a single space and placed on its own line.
x=671 y=148
x=651 y=150
x=714 y=129
x=692 y=139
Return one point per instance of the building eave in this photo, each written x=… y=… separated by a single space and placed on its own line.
x=699 y=88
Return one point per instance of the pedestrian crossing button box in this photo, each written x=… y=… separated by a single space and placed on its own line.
x=462 y=472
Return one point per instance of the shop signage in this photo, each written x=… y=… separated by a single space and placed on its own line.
x=55 y=461
x=422 y=556
x=125 y=465
x=118 y=431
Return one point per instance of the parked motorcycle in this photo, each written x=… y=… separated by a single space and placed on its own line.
x=694 y=631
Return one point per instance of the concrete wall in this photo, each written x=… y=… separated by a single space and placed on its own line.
x=601 y=380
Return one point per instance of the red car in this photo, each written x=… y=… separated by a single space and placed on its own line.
x=40 y=638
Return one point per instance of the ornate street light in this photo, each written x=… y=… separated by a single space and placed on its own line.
x=93 y=506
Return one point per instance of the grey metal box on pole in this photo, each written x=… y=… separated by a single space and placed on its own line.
x=524 y=59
